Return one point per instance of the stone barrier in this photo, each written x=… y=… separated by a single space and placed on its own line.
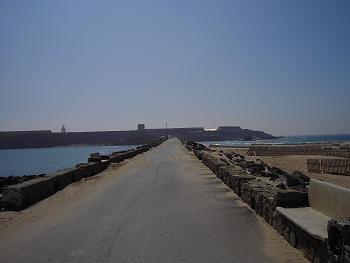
x=22 y=195
x=93 y=168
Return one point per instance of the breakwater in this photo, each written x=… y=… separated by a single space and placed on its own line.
x=22 y=195
x=311 y=215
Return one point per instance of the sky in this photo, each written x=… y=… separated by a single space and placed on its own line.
x=272 y=65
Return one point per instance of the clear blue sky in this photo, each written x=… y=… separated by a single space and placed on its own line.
x=278 y=66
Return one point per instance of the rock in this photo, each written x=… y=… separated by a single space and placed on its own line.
x=292 y=239
x=276 y=170
x=252 y=167
x=273 y=176
x=198 y=146
x=296 y=178
x=229 y=156
x=339 y=238
x=281 y=186
x=261 y=162
x=237 y=155
x=223 y=160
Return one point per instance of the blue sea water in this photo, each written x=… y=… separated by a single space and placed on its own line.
x=19 y=162
x=287 y=140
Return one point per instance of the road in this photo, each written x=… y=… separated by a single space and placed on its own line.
x=162 y=206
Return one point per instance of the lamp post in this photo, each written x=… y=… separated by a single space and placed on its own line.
x=166 y=130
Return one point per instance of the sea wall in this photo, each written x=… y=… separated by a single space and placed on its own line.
x=329 y=166
x=19 y=196
x=276 y=150
x=264 y=189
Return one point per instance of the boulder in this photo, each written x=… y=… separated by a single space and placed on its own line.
x=339 y=239
x=296 y=178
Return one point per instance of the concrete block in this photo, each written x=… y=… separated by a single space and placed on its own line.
x=329 y=199
x=22 y=195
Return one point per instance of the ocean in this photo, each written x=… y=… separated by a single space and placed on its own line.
x=18 y=162
x=287 y=140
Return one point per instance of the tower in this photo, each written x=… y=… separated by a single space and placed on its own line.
x=63 y=129
x=141 y=127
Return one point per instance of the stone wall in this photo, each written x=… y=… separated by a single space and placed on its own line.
x=22 y=195
x=329 y=166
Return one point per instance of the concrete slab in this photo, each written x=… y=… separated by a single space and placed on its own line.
x=329 y=199
x=308 y=219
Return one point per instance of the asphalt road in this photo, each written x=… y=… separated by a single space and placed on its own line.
x=165 y=207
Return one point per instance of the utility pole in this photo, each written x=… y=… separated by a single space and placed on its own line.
x=166 y=130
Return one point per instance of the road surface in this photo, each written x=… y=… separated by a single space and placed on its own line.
x=162 y=206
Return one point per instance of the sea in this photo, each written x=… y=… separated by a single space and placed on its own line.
x=19 y=162
x=287 y=140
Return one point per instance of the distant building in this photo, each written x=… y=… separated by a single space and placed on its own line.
x=229 y=128
x=141 y=127
x=63 y=129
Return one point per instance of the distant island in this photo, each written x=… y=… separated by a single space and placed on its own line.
x=47 y=138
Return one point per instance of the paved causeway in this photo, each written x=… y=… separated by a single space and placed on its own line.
x=162 y=206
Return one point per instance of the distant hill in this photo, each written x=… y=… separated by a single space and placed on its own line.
x=46 y=138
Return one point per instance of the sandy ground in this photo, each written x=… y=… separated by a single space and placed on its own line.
x=293 y=163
